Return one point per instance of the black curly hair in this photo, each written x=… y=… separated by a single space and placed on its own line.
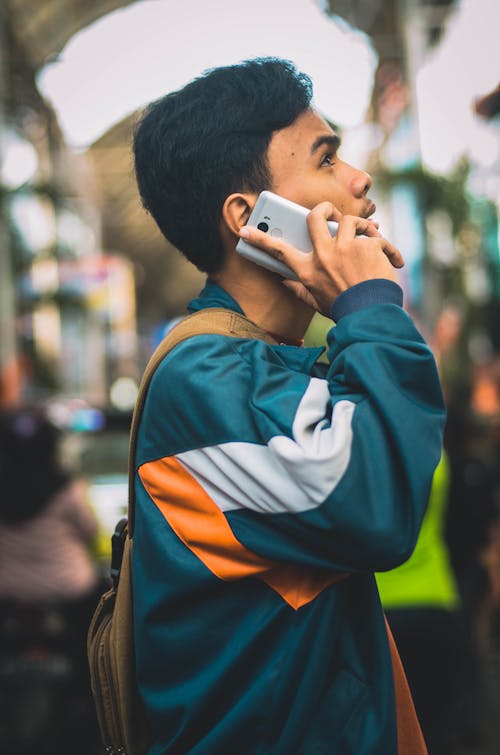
x=30 y=473
x=196 y=146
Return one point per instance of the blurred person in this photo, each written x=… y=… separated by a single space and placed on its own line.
x=269 y=487
x=472 y=400
x=491 y=562
x=471 y=527
x=46 y=523
x=421 y=601
x=448 y=330
x=46 y=529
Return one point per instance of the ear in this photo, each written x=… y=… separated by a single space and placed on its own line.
x=236 y=210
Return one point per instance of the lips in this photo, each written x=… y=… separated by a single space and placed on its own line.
x=370 y=209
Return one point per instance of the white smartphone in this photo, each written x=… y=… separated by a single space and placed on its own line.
x=283 y=219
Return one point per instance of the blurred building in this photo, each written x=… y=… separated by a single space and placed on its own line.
x=68 y=321
x=63 y=211
x=443 y=217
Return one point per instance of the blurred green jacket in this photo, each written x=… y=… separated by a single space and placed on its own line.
x=426 y=579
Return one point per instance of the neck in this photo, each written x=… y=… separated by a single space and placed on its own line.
x=264 y=299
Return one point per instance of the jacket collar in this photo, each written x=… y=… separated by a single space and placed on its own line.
x=300 y=358
x=212 y=295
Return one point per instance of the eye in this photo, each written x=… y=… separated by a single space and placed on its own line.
x=328 y=159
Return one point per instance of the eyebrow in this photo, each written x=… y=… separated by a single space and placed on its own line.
x=330 y=140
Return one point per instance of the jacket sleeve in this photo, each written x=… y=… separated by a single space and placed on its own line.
x=330 y=472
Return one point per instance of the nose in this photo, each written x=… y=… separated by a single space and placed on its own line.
x=361 y=183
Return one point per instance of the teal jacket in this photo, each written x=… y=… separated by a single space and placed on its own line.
x=263 y=479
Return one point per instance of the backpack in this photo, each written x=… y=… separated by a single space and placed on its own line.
x=110 y=643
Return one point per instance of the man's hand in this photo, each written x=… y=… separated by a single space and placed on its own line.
x=335 y=264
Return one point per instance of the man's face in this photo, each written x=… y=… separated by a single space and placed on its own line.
x=305 y=168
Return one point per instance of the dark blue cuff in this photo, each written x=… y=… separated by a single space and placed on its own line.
x=366 y=294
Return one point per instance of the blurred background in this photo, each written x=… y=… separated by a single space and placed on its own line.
x=88 y=285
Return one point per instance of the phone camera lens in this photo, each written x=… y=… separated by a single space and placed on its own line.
x=263 y=227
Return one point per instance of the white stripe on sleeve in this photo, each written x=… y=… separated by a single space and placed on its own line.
x=289 y=474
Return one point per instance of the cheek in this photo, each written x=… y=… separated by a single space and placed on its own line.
x=300 y=191
x=340 y=197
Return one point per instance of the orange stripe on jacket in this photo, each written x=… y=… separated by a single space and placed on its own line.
x=203 y=528
x=410 y=737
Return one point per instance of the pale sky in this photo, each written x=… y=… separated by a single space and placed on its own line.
x=465 y=65
x=136 y=54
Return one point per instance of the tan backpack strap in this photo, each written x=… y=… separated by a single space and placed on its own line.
x=215 y=320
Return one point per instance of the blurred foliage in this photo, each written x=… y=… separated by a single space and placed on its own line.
x=435 y=192
x=41 y=189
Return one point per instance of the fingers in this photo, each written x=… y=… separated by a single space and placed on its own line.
x=316 y=222
x=327 y=211
x=351 y=226
x=276 y=247
x=394 y=255
x=371 y=229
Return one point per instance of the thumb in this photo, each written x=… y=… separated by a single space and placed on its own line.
x=335 y=214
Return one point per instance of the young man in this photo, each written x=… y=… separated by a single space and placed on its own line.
x=270 y=487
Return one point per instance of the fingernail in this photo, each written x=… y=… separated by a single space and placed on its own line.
x=244 y=232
